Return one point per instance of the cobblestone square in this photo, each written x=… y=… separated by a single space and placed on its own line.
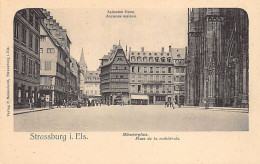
x=133 y=118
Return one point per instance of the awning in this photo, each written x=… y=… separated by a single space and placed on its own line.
x=139 y=97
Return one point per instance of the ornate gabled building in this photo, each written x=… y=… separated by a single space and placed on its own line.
x=114 y=77
x=217 y=70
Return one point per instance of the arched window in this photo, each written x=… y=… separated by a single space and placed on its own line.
x=138 y=58
x=150 y=59
x=132 y=58
x=168 y=60
x=145 y=59
x=156 y=59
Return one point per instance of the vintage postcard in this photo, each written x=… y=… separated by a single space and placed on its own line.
x=129 y=82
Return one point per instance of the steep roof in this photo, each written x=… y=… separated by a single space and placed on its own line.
x=82 y=59
x=112 y=54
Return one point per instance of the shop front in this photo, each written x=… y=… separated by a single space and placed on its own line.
x=139 y=99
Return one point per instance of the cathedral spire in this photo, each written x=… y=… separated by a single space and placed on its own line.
x=82 y=61
x=82 y=58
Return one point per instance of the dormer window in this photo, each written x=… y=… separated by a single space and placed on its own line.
x=156 y=59
x=179 y=55
x=132 y=58
x=163 y=59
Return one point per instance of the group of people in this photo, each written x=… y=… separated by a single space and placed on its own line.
x=93 y=103
x=60 y=102
x=171 y=104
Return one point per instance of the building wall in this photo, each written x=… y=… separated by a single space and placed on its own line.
x=217 y=72
x=48 y=57
x=26 y=56
x=55 y=61
x=92 y=84
x=154 y=74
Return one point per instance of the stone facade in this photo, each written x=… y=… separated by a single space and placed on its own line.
x=217 y=71
x=27 y=56
x=92 y=85
x=157 y=76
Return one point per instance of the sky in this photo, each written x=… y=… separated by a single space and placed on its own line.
x=91 y=30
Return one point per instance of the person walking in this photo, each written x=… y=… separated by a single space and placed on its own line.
x=58 y=103
x=173 y=104
x=32 y=103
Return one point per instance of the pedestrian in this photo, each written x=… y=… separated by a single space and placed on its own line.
x=165 y=103
x=64 y=103
x=32 y=103
x=58 y=103
x=173 y=104
x=50 y=104
x=42 y=102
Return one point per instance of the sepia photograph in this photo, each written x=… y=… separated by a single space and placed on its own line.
x=129 y=82
x=131 y=70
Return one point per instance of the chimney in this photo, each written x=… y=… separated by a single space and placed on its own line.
x=142 y=49
x=129 y=53
x=162 y=49
x=170 y=48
